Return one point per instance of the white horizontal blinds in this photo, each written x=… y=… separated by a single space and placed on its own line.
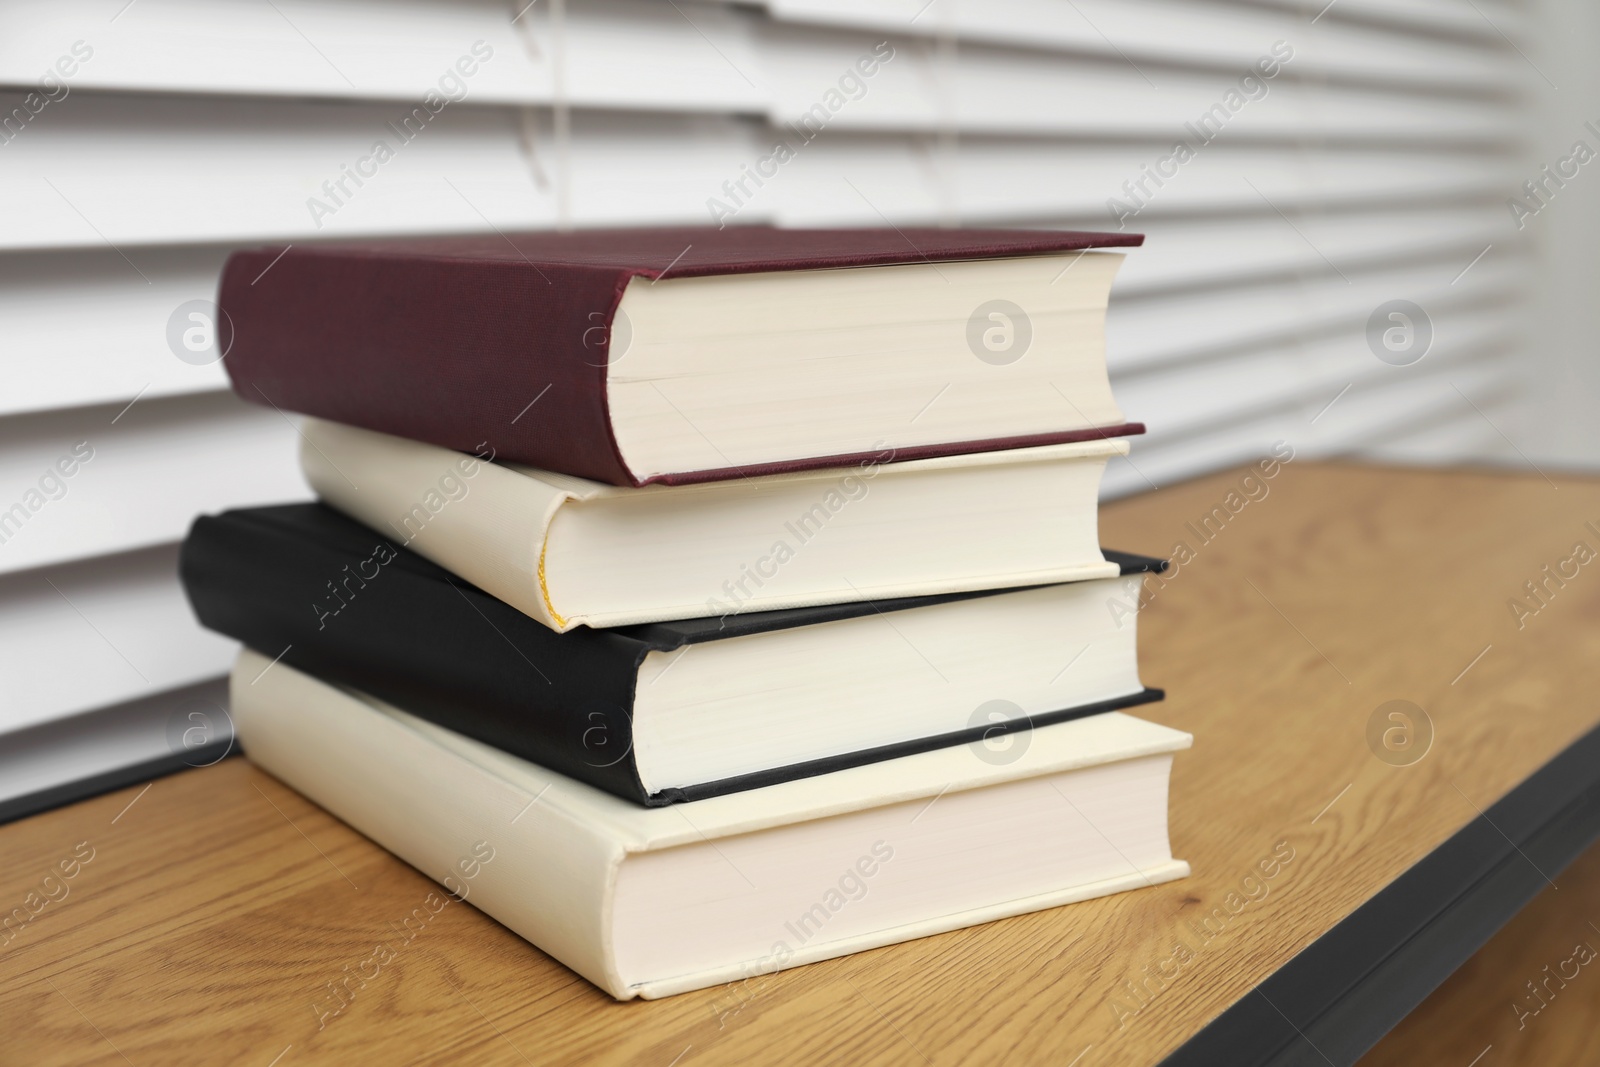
x=1372 y=166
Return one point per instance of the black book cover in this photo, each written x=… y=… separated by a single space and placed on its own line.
x=306 y=586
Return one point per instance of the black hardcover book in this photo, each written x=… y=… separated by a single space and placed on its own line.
x=672 y=711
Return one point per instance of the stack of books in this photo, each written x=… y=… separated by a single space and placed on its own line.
x=699 y=603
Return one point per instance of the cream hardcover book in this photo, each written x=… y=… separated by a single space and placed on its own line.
x=650 y=902
x=571 y=552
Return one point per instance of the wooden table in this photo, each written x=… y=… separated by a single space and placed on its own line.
x=1486 y=1016
x=218 y=904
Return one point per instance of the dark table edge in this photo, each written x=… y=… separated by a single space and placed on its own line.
x=1342 y=993
x=20 y=807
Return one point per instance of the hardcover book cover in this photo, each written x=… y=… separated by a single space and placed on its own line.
x=324 y=594
x=450 y=340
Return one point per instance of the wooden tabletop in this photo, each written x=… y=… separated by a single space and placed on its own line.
x=218 y=904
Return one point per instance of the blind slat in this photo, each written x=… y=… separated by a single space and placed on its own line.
x=1186 y=33
x=57 y=356
x=97 y=632
x=97 y=480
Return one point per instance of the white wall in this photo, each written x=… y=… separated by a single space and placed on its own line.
x=1558 y=420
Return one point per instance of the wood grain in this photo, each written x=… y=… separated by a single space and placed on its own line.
x=1485 y=1014
x=220 y=904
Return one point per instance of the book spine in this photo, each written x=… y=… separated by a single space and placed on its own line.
x=493 y=354
x=476 y=519
x=519 y=858
x=361 y=614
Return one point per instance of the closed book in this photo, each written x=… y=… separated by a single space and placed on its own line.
x=653 y=902
x=693 y=354
x=570 y=552
x=674 y=711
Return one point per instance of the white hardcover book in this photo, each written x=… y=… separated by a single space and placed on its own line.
x=571 y=552
x=656 y=901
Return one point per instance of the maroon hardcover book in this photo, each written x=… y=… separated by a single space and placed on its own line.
x=448 y=340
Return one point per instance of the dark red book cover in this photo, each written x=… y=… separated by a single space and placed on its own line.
x=448 y=340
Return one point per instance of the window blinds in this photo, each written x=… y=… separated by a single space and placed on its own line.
x=142 y=141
